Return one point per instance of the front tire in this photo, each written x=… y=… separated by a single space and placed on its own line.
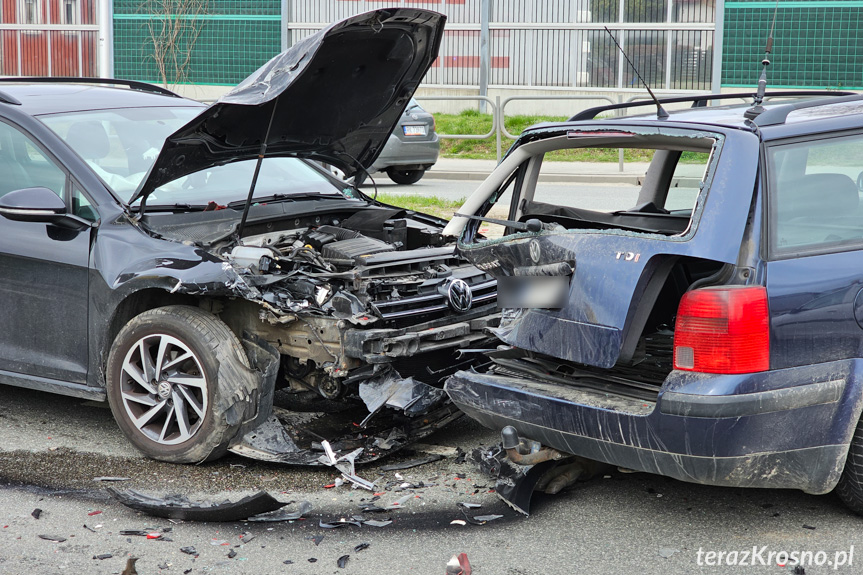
x=163 y=383
x=405 y=177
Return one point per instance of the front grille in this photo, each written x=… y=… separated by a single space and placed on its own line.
x=433 y=305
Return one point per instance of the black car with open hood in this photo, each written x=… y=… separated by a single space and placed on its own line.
x=335 y=97
x=214 y=287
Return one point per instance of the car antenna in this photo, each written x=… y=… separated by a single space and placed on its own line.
x=757 y=108
x=261 y=154
x=660 y=111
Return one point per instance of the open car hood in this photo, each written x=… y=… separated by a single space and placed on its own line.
x=335 y=97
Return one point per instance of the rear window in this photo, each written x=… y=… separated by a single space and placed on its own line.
x=814 y=195
x=649 y=183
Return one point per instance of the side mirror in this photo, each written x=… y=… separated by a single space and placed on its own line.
x=32 y=205
x=39 y=205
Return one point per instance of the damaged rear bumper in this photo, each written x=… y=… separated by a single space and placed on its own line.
x=779 y=429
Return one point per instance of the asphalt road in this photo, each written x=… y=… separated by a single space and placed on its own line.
x=52 y=448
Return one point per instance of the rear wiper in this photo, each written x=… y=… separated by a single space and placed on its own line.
x=532 y=225
x=284 y=197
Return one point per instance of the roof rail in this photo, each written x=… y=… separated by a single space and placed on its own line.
x=700 y=101
x=133 y=84
x=778 y=115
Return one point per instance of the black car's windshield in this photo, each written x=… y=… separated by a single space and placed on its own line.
x=120 y=144
x=230 y=183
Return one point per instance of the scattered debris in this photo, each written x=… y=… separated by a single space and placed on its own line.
x=461 y=522
x=376 y=523
x=281 y=515
x=154 y=535
x=130 y=567
x=361 y=546
x=483 y=519
x=92 y=513
x=461 y=455
x=399 y=503
x=343 y=561
x=458 y=565
x=90 y=529
x=164 y=565
x=110 y=479
x=340 y=523
x=316 y=538
x=799 y=570
x=514 y=483
x=135 y=532
x=412 y=463
x=246 y=537
x=312 y=560
x=467 y=505
x=54 y=538
x=345 y=464
x=215 y=542
x=180 y=507
x=103 y=556
x=232 y=554
x=36 y=513
x=667 y=552
x=190 y=550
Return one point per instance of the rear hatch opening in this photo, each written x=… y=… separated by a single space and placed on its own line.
x=647 y=353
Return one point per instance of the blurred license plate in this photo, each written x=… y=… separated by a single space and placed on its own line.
x=414 y=130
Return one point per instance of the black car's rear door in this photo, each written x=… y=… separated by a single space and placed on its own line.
x=43 y=274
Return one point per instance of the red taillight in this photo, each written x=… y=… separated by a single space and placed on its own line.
x=723 y=330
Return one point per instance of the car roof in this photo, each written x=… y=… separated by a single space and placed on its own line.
x=780 y=117
x=46 y=98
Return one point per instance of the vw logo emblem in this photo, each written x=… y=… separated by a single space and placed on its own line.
x=164 y=390
x=535 y=251
x=459 y=295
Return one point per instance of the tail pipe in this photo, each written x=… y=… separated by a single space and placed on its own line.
x=525 y=451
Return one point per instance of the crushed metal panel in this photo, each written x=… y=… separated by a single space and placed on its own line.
x=181 y=507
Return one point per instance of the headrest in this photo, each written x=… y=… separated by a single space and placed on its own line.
x=89 y=139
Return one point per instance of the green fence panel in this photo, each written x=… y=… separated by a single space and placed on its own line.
x=816 y=43
x=234 y=38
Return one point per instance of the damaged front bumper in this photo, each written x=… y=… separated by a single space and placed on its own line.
x=777 y=429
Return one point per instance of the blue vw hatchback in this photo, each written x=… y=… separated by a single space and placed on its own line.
x=706 y=325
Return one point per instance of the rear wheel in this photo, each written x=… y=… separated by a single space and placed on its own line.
x=163 y=383
x=850 y=486
x=405 y=177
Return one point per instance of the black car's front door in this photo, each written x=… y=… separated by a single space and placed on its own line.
x=43 y=274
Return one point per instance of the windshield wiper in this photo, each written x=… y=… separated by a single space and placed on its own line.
x=173 y=207
x=284 y=197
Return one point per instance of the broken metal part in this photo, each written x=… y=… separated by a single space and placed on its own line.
x=130 y=567
x=180 y=507
x=412 y=463
x=486 y=518
x=458 y=565
x=316 y=538
x=54 y=538
x=343 y=561
x=295 y=438
x=345 y=464
x=282 y=515
x=376 y=523
x=514 y=483
x=414 y=398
